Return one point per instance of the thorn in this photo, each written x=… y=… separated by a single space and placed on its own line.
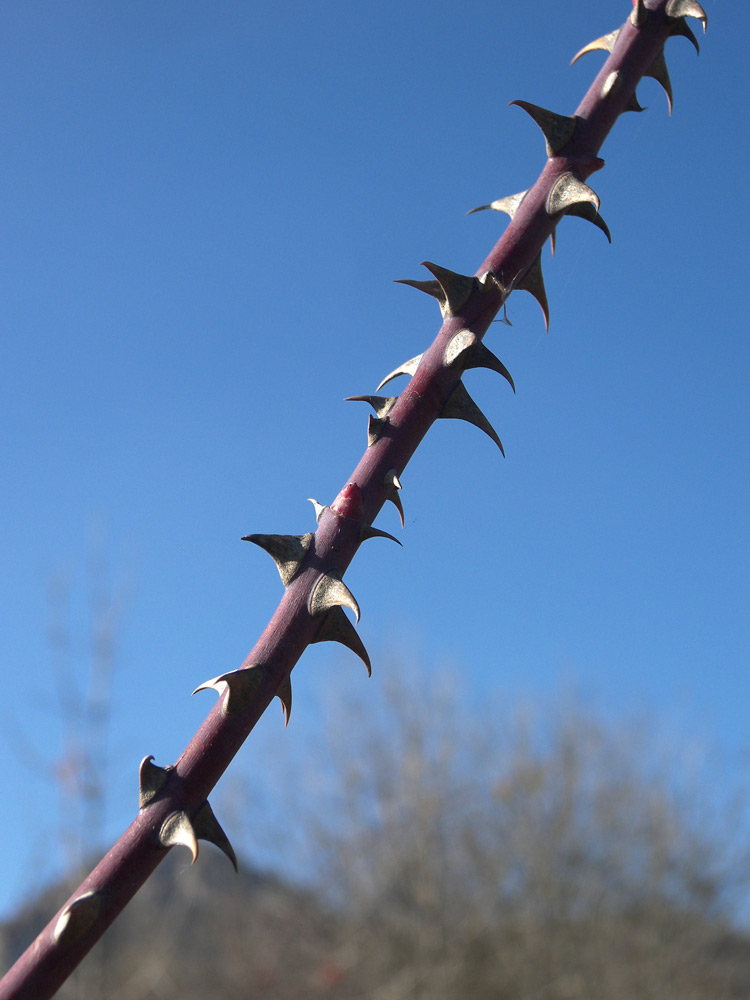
x=455 y=288
x=687 y=8
x=459 y=345
x=461 y=406
x=569 y=191
x=533 y=282
x=585 y=210
x=572 y=197
x=557 y=129
x=336 y=627
x=330 y=591
x=484 y=358
x=639 y=14
x=319 y=508
x=374 y=429
x=368 y=531
x=509 y=204
x=407 y=368
x=611 y=85
x=381 y=404
x=604 y=44
x=392 y=479
x=430 y=286
x=464 y=349
x=284 y=694
x=449 y=288
x=151 y=780
x=287 y=551
x=241 y=686
x=658 y=71
x=396 y=501
x=77 y=918
x=633 y=104
x=207 y=827
x=683 y=28
x=177 y=830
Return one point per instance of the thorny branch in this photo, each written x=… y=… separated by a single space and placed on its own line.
x=174 y=805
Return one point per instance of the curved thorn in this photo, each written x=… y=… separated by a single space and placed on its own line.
x=585 y=210
x=330 y=591
x=207 y=827
x=151 y=780
x=407 y=368
x=557 y=129
x=604 y=44
x=461 y=406
x=684 y=29
x=77 y=918
x=658 y=71
x=392 y=480
x=687 y=8
x=569 y=191
x=633 y=104
x=368 y=531
x=533 y=282
x=396 y=501
x=509 y=204
x=336 y=627
x=381 y=404
x=319 y=508
x=241 y=686
x=464 y=349
x=287 y=551
x=176 y=830
x=484 y=358
x=284 y=694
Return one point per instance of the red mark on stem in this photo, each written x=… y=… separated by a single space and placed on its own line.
x=349 y=502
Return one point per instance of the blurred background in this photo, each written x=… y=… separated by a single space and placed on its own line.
x=203 y=211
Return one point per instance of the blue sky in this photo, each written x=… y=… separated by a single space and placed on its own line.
x=204 y=207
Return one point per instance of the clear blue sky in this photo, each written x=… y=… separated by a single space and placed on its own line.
x=203 y=209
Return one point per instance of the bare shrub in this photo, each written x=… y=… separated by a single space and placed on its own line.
x=548 y=858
